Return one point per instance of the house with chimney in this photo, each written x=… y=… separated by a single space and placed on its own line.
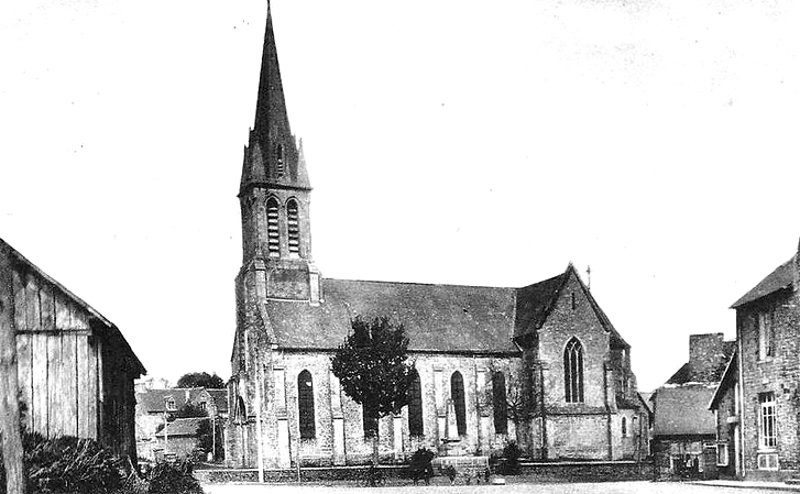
x=768 y=332
x=684 y=429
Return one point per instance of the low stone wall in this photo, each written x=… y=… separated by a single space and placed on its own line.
x=589 y=471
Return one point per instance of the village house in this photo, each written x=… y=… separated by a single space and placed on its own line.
x=548 y=346
x=725 y=405
x=768 y=332
x=684 y=429
x=155 y=407
x=76 y=371
x=178 y=439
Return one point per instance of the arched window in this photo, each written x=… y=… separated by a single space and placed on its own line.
x=415 y=426
x=241 y=410
x=294 y=227
x=624 y=427
x=573 y=371
x=305 y=405
x=273 y=235
x=457 y=394
x=280 y=159
x=370 y=422
x=499 y=403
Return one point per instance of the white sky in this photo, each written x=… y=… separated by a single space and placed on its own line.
x=464 y=142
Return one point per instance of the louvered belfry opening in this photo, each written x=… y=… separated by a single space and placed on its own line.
x=273 y=233
x=292 y=213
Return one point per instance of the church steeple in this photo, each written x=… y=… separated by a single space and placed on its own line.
x=274 y=195
x=273 y=157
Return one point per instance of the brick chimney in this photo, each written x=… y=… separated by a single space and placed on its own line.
x=706 y=352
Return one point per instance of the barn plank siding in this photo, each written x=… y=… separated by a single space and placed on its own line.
x=92 y=392
x=19 y=303
x=25 y=375
x=62 y=311
x=32 y=310
x=69 y=384
x=48 y=307
x=82 y=373
x=54 y=401
x=41 y=396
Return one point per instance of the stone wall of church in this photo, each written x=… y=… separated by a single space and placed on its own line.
x=339 y=424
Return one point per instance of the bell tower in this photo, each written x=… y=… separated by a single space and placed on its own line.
x=274 y=196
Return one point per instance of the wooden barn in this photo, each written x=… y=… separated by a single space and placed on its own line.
x=76 y=370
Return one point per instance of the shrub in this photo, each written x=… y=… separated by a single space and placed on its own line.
x=511 y=455
x=67 y=464
x=420 y=466
x=173 y=478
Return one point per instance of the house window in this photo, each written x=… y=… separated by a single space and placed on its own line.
x=767 y=430
x=273 y=235
x=722 y=454
x=305 y=405
x=766 y=334
x=279 y=160
x=573 y=371
x=294 y=227
x=767 y=461
x=457 y=394
x=203 y=406
x=170 y=404
x=499 y=403
x=370 y=421
x=624 y=427
x=415 y=425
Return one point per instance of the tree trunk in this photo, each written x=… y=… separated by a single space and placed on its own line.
x=376 y=459
x=9 y=386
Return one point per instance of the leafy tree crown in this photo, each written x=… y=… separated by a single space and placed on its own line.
x=201 y=380
x=372 y=365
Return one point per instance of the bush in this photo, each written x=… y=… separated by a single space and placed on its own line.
x=173 y=478
x=420 y=466
x=67 y=464
x=511 y=455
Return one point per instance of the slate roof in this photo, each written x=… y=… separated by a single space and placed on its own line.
x=683 y=411
x=729 y=379
x=182 y=427
x=689 y=374
x=130 y=358
x=154 y=400
x=440 y=318
x=779 y=279
x=220 y=397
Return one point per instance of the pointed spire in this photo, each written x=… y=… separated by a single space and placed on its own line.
x=272 y=119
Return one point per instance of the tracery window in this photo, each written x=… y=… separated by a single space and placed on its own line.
x=499 y=403
x=457 y=394
x=305 y=405
x=573 y=371
x=273 y=234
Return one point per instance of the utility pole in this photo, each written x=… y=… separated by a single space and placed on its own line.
x=9 y=381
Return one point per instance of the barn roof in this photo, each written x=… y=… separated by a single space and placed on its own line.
x=683 y=411
x=154 y=400
x=781 y=278
x=130 y=357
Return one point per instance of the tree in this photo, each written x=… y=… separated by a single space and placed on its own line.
x=373 y=369
x=201 y=380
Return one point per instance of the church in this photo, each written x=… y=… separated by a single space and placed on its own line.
x=541 y=365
